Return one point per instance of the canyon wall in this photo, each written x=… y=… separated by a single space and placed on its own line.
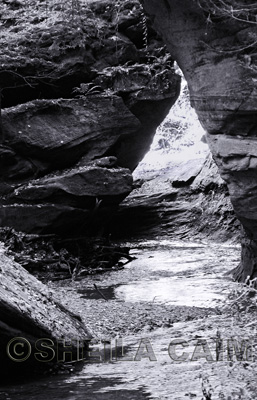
x=82 y=98
x=214 y=44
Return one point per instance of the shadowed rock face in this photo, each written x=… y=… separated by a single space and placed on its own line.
x=58 y=133
x=216 y=53
x=66 y=161
x=29 y=310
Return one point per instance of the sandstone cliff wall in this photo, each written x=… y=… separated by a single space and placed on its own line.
x=214 y=43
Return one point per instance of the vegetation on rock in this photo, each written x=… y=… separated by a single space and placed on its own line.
x=39 y=40
x=51 y=258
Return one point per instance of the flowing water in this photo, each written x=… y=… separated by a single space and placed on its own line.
x=165 y=277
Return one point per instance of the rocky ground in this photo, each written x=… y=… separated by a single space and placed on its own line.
x=117 y=310
x=209 y=330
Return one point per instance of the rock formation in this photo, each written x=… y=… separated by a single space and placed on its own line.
x=81 y=103
x=214 y=43
x=30 y=317
x=187 y=200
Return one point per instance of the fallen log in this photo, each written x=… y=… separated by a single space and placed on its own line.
x=35 y=330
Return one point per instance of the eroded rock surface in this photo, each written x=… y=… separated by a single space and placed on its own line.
x=216 y=50
x=185 y=200
x=42 y=137
x=106 y=88
x=59 y=132
x=29 y=310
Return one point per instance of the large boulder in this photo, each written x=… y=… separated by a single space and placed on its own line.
x=45 y=136
x=32 y=317
x=74 y=201
x=59 y=132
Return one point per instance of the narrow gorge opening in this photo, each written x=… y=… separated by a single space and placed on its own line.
x=180 y=209
x=178 y=191
x=179 y=139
